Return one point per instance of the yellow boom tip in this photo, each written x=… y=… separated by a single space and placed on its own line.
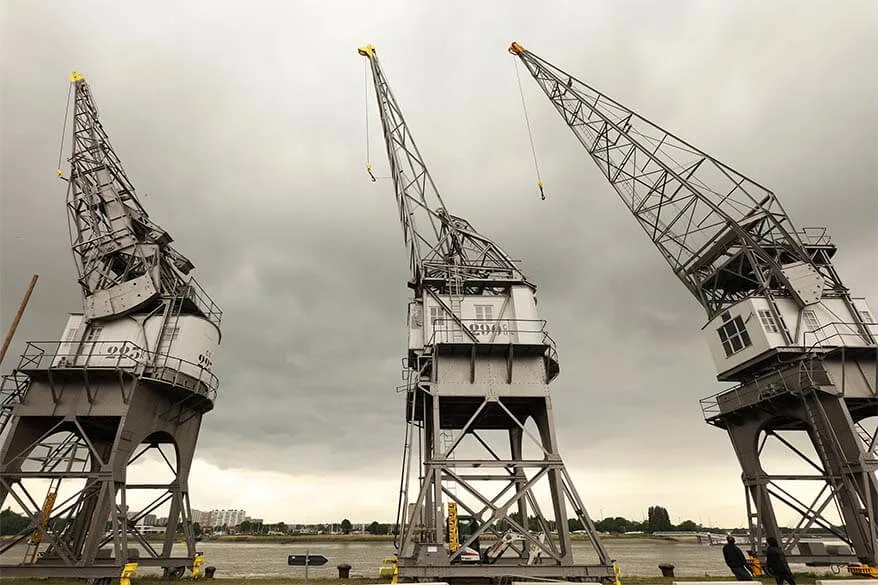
x=367 y=51
x=516 y=49
x=76 y=76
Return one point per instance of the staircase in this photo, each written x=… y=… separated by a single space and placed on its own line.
x=826 y=444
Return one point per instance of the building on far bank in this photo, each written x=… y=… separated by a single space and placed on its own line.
x=149 y=520
x=201 y=518
x=230 y=518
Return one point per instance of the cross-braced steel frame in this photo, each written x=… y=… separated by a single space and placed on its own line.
x=498 y=487
x=79 y=430
x=809 y=396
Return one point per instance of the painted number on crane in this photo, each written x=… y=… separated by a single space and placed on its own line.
x=486 y=328
x=205 y=359
x=128 y=351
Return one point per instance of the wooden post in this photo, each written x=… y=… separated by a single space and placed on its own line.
x=11 y=332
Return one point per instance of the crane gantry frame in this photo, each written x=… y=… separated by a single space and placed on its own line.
x=130 y=377
x=477 y=370
x=808 y=362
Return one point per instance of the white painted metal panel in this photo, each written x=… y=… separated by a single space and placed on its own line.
x=188 y=344
x=529 y=328
x=828 y=323
x=112 y=344
x=490 y=319
x=66 y=353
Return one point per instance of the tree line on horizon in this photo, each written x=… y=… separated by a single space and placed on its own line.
x=657 y=520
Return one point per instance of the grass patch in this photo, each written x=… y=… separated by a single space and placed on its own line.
x=801 y=579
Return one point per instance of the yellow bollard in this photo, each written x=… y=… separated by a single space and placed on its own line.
x=128 y=571
x=196 y=566
x=618 y=574
x=865 y=571
x=755 y=566
x=393 y=581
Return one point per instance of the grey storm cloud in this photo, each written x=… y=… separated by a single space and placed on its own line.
x=242 y=126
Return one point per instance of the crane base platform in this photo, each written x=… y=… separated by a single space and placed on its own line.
x=464 y=571
x=96 y=570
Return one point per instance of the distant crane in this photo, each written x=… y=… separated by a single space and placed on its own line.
x=478 y=367
x=781 y=324
x=129 y=376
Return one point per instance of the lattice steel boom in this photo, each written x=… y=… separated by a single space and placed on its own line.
x=442 y=248
x=725 y=236
x=117 y=248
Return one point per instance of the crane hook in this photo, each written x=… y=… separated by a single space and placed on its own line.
x=542 y=195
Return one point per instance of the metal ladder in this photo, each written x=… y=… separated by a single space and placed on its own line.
x=827 y=450
x=13 y=387
x=66 y=453
x=36 y=538
x=446 y=437
x=455 y=290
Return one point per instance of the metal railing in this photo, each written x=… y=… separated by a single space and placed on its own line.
x=490 y=331
x=759 y=389
x=839 y=330
x=814 y=236
x=194 y=292
x=118 y=355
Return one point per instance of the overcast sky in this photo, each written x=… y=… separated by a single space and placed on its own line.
x=242 y=126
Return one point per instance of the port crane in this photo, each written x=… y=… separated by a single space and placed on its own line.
x=782 y=326
x=477 y=370
x=129 y=379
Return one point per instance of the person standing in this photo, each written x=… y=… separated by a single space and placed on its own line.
x=776 y=562
x=736 y=561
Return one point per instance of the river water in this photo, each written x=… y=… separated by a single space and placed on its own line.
x=244 y=559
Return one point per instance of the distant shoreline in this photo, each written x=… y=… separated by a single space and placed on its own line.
x=292 y=539
x=330 y=538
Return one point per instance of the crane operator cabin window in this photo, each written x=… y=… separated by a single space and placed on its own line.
x=733 y=335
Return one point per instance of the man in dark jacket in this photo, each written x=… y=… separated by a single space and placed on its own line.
x=776 y=562
x=736 y=560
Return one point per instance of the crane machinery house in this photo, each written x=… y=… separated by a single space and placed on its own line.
x=749 y=331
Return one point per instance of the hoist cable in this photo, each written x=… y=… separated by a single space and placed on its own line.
x=530 y=136
x=64 y=128
x=366 y=64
